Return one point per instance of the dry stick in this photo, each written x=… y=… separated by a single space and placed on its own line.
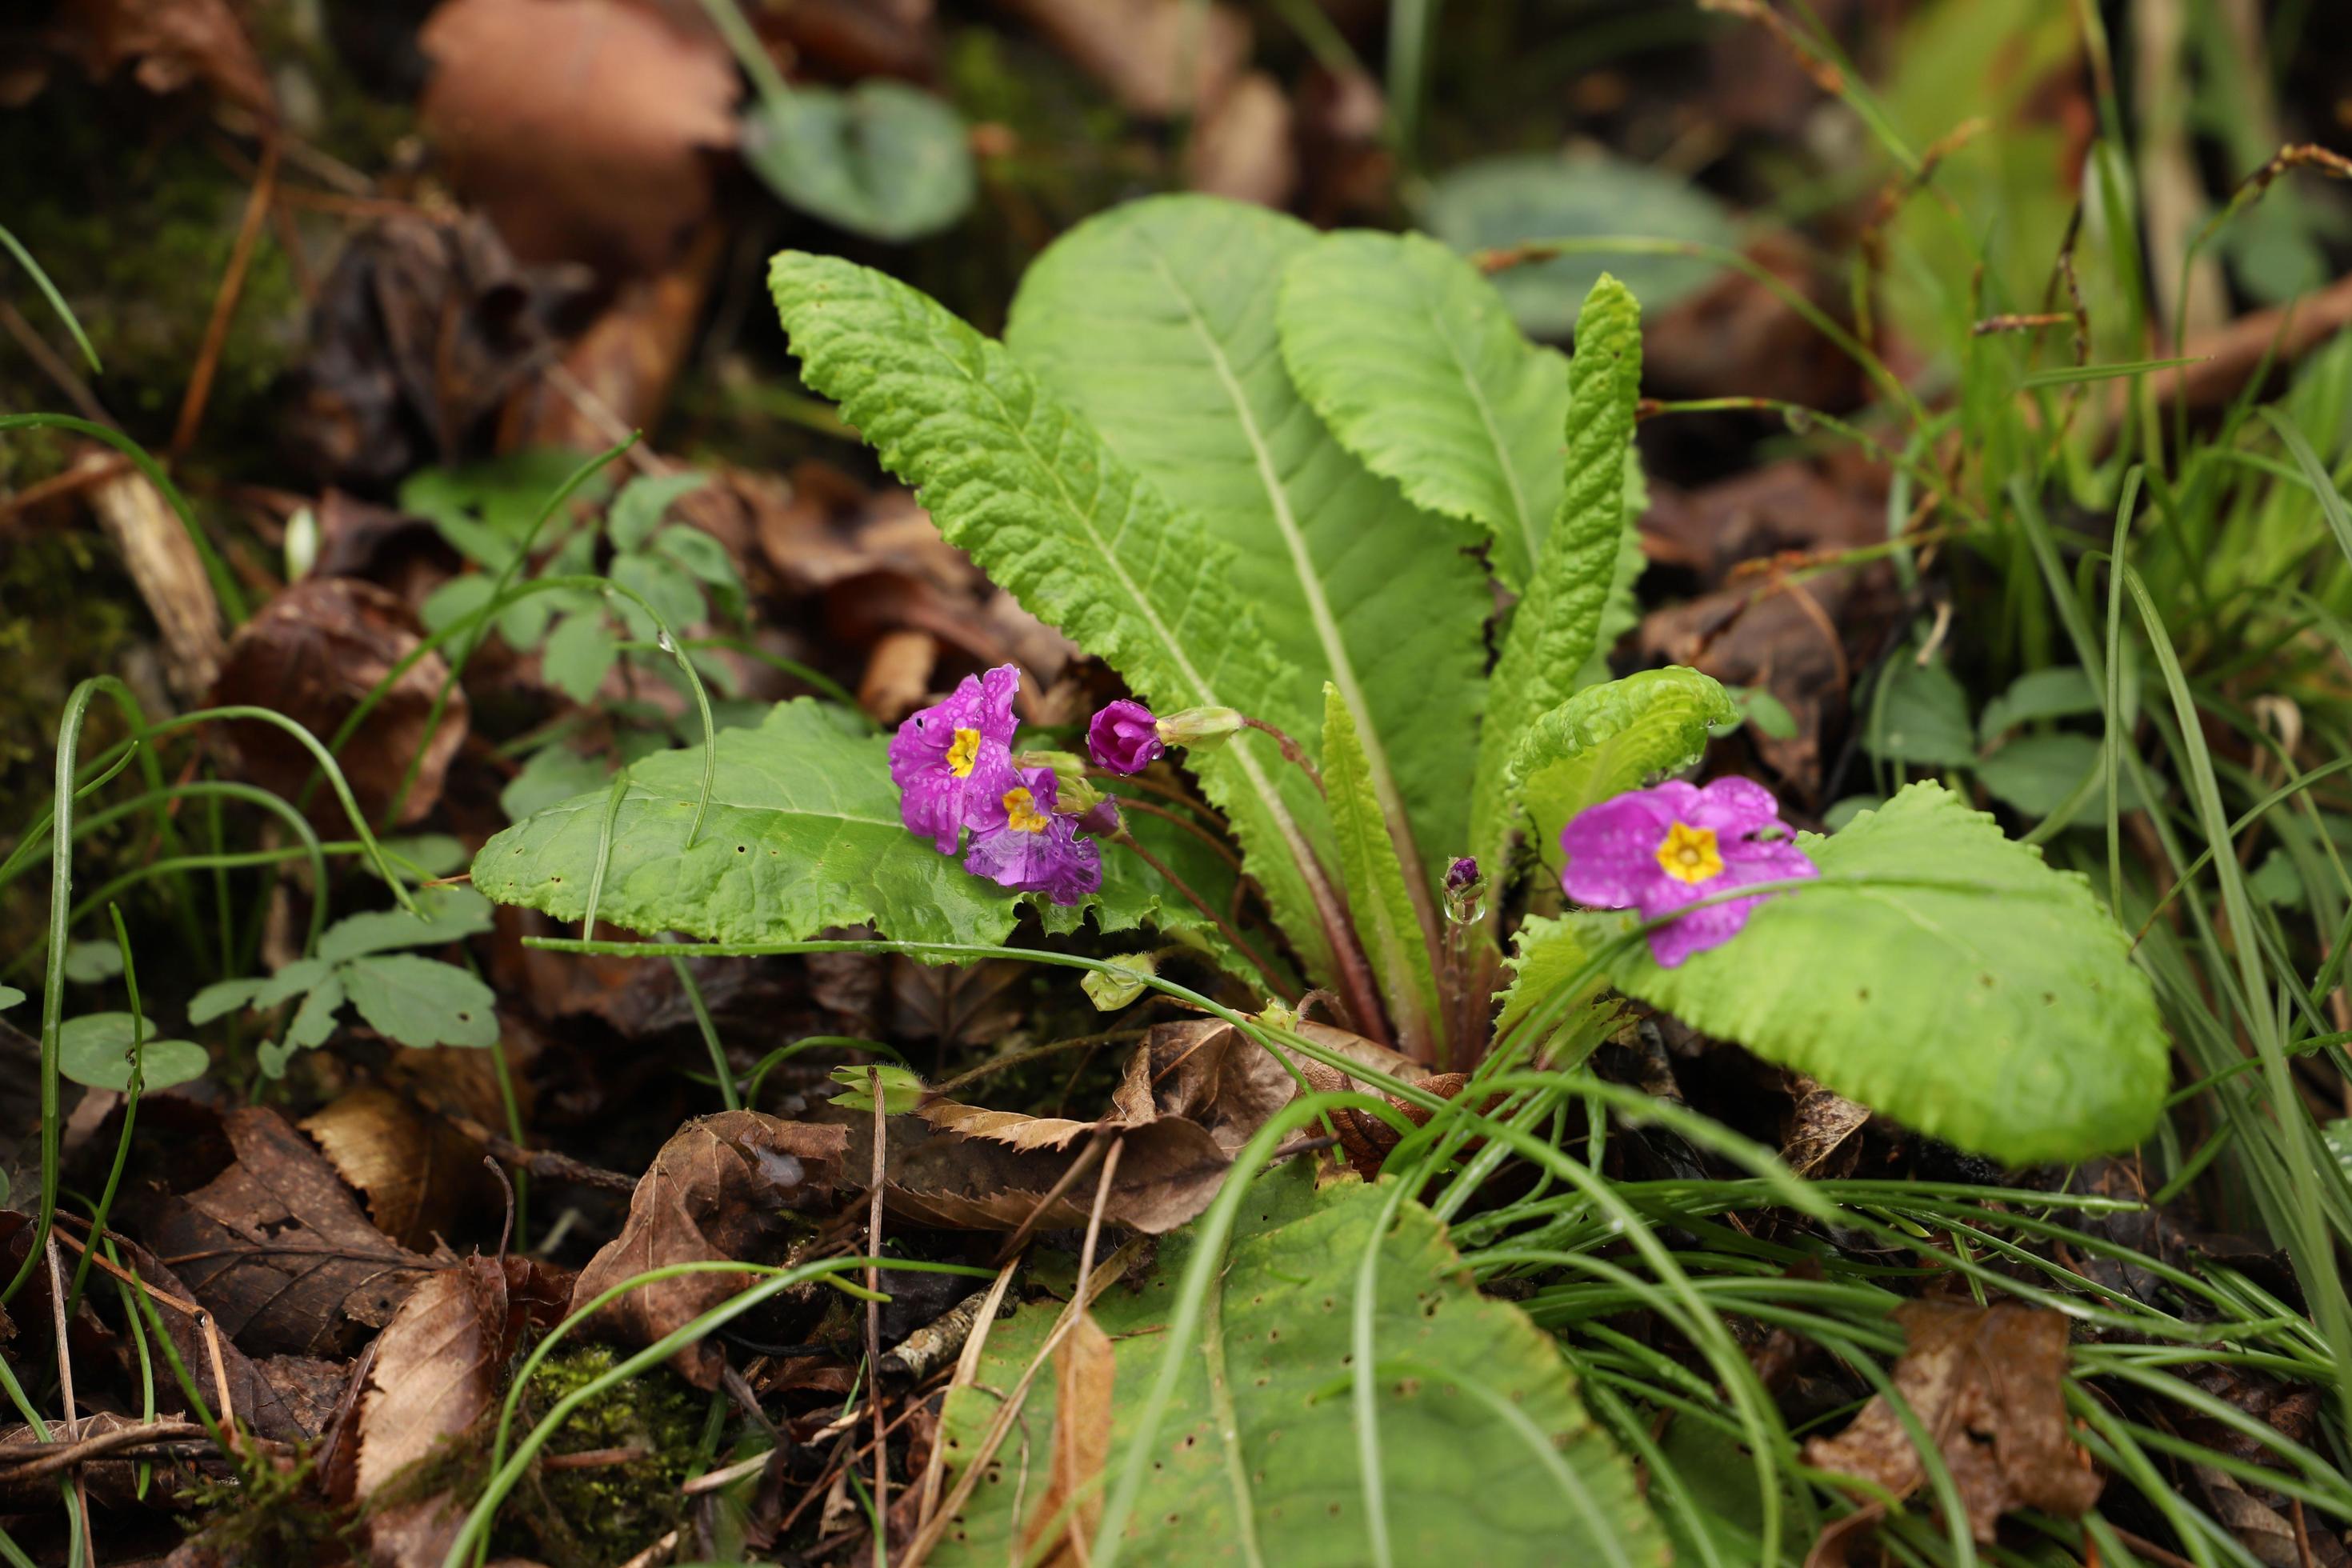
x=220 y=1381
x=72 y=482
x=108 y=1265
x=1224 y=851
x=1224 y=928
x=47 y=1458
x=66 y=1389
x=1063 y=1183
x=240 y=256
x=37 y=350
x=873 y=1321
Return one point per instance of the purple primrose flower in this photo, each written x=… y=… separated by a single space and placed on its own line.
x=951 y=757
x=1659 y=851
x=1019 y=841
x=1124 y=738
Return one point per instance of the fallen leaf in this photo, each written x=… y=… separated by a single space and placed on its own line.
x=419 y=1174
x=1085 y=1369
x=1139 y=48
x=314 y=653
x=955 y=1003
x=715 y=1192
x=438 y=1366
x=1988 y=1384
x=419 y=336
x=584 y=127
x=309 y=1387
x=174 y=42
x=854 y=39
x=276 y=1247
x=899 y=675
x=162 y=561
x=1820 y=1138
x=1242 y=147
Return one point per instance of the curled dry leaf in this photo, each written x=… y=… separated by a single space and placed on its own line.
x=313 y=654
x=418 y=1174
x=1085 y=1369
x=714 y=1193
x=277 y=1248
x=420 y=334
x=1988 y=1384
x=584 y=127
x=1822 y=1125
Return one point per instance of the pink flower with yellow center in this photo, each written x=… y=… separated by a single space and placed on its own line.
x=955 y=754
x=1663 y=849
x=1020 y=841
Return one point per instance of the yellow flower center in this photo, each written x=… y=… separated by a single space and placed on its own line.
x=1021 y=813
x=962 y=753
x=1688 y=854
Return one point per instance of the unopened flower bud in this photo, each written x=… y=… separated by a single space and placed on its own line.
x=1200 y=726
x=1465 y=891
x=1124 y=738
x=1101 y=819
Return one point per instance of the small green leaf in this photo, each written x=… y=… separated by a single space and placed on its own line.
x=1501 y=201
x=421 y=1002
x=9 y=997
x=1921 y=717
x=432 y=853
x=222 y=997
x=882 y=158
x=93 y=963
x=2036 y=773
x=699 y=554
x=902 y=1090
x=448 y=914
x=1378 y=901
x=2038 y=694
x=2276 y=881
x=638 y=510
x=293 y=980
x=1609 y=738
x=675 y=596
x=455 y=600
x=95 y=1050
x=1941 y=974
x=1766 y=712
x=554 y=772
x=1260 y=1457
x=577 y=654
x=1119 y=986
x=314 y=1021
x=1556 y=626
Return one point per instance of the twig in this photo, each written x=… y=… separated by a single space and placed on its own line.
x=874 y=1320
x=47 y=1458
x=65 y=1373
x=232 y=284
x=1224 y=928
x=72 y=482
x=594 y=1458
x=220 y=1380
x=505 y=1227
x=1292 y=753
x=109 y=1266
x=966 y=1369
x=37 y=350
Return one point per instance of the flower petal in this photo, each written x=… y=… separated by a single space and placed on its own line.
x=1613 y=851
x=1733 y=806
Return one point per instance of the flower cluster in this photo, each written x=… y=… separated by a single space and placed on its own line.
x=1663 y=850
x=954 y=767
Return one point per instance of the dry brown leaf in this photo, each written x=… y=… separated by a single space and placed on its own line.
x=314 y=653
x=897 y=675
x=1139 y=48
x=1242 y=149
x=162 y=561
x=855 y=39
x=111 y=1480
x=1819 y=1141
x=419 y=336
x=176 y=42
x=310 y=1386
x=436 y=1373
x=277 y=1249
x=419 y=1172
x=1084 y=1369
x=715 y=1192
x=1988 y=1384
x=584 y=127
x=258 y=1394
x=955 y=1003
x=1009 y=1128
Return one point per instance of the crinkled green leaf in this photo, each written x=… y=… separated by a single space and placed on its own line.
x=1259 y=1458
x=1382 y=910
x=1158 y=319
x=1943 y=974
x=1501 y=201
x=442 y=915
x=1051 y=513
x=1412 y=360
x=882 y=158
x=577 y=654
x=1122 y=983
x=1609 y=738
x=1557 y=627
x=95 y=1049
x=1552 y=954
x=419 y=1002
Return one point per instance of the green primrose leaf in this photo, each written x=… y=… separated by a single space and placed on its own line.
x=1943 y=974
x=95 y=1050
x=1057 y=519
x=1609 y=738
x=418 y=1002
x=1557 y=625
x=1260 y=1457
x=902 y=1090
x=638 y=510
x=882 y=158
x=449 y=914
x=1552 y=953
x=1375 y=883
x=1158 y=319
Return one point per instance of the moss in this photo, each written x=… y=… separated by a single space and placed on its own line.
x=267 y=1517
x=595 y=1517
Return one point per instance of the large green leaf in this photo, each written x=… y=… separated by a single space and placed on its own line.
x=1158 y=319
x=1609 y=738
x=1055 y=517
x=1498 y=202
x=1382 y=909
x=1486 y=1454
x=1558 y=622
x=1413 y=359
x=1944 y=975
x=882 y=158
x=804 y=834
